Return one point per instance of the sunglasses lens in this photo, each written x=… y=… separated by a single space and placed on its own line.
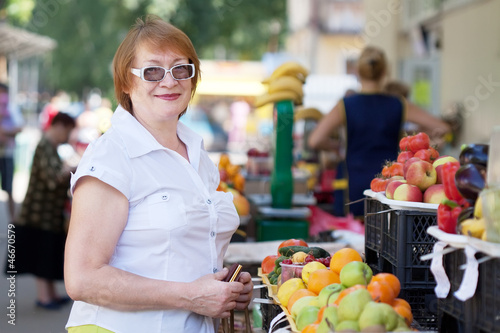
x=154 y=73
x=182 y=72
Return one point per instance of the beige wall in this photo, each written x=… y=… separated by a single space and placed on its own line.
x=470 y=59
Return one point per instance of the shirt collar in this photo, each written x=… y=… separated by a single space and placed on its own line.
x=139 y=141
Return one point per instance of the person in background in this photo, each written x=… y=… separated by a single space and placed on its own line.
x=373 y=122
x=148 y=230
x=8 y=131
x=40 y=226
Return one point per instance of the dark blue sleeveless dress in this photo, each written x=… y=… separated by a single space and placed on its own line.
x=374 y=123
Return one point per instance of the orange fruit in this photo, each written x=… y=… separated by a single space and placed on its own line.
x=311 y=328
x=381 y=291
x=390 y=279
x=320 y=314
x=342 y=257
x=401 y=302
x=404 y=311
x=297 y=295
x=239 y=182
x=347 y=291
x=224 y=161
x=321 y=278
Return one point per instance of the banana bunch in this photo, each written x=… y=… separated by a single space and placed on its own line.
x=474 y=226
x=307 y=113
x=285 y=83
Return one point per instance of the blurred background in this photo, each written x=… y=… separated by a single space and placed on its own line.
x=57 y=54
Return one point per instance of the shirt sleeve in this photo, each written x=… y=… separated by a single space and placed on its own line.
x=108 y=162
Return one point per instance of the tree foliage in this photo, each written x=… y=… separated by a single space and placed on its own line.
x=88 y=32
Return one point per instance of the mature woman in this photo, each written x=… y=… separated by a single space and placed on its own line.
x=373 y=122
x=148 y=230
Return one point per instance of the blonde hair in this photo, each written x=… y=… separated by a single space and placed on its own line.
x=372 y=64
x=152 y=32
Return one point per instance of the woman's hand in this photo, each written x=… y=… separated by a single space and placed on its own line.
x=246 y=294
x=215 y=298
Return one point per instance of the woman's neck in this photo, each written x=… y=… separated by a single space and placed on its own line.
x=371 y=86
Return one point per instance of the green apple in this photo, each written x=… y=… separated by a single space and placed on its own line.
x=347 y=325
x=402 y=326
x=351 y=306
x=378 y=314
x=329 y=321
x=329 y=294
x=355 y=272
x=308 y=315
x=371 y=315
x=300 y=304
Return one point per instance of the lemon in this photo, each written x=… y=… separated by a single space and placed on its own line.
x=309 y=268
x=288 y=288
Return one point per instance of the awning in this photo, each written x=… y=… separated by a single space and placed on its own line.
x=19 y=43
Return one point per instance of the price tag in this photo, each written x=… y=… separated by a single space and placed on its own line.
x=469 y=281
x=442 y=282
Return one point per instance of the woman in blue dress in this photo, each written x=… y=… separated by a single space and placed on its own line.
x=372 y=122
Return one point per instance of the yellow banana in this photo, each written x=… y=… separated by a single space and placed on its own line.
x=308 y=113
x=289 y=68
x=277 y=97
x=478 y=208
x=473 y=227
x=286 y=82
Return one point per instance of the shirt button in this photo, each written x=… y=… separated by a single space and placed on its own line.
x=164 y=197
x=215 y=270
x=92 y=168
x=212 y=234
x=209 y=201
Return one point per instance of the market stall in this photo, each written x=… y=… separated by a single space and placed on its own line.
x=427 y=259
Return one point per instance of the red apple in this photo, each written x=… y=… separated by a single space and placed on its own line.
x=438 y=163
x=408 y=162
x=407 y=192
x=434 y=194
x=421 y=174
x=392 y=185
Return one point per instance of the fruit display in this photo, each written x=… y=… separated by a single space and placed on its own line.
x=337 y=293
x=231 y=180
x=461 y=211
x=416 y=175
x=285 y=83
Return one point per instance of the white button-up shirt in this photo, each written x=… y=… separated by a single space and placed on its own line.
x=178 y=228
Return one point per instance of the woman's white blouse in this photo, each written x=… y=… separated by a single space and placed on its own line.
x=178 y=228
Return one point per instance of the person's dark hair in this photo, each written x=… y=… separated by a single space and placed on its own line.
x=63 y=118
x=372 y=64
x=3 y=86
x=154 y=33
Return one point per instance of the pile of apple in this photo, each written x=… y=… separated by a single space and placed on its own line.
x=416 y=174
x=351 y=304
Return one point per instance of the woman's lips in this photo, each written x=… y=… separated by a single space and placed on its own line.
x=169 y=97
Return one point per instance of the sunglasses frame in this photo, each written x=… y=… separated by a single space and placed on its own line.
x=140 y=72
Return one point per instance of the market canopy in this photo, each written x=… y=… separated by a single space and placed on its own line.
x=19 y=43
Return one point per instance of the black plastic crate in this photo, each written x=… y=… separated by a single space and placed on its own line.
x=396 y=239
x=374 y=221
x=424 y=307
x=269 y=312
x=455 y=315
x=486 y=300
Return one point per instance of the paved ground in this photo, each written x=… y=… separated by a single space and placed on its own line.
x=28 y=318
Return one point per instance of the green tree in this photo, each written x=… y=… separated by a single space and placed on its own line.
x=88 y=32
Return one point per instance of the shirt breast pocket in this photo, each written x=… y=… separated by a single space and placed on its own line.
x=166 y=211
